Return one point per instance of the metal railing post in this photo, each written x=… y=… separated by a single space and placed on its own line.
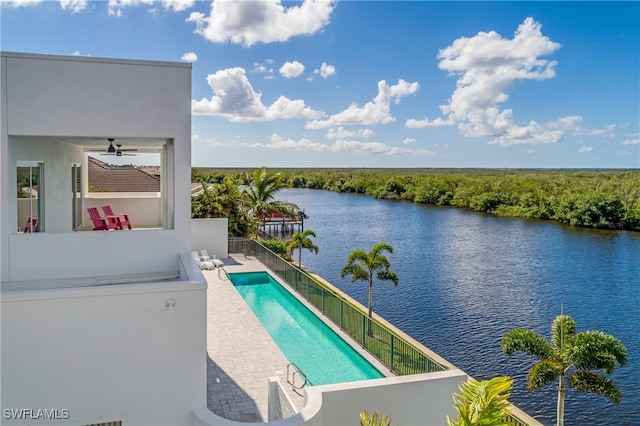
x=391 y=353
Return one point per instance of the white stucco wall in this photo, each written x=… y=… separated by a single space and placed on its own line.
x=106 y=353
x=210 y=234
x=47 y=99
x=421 y=399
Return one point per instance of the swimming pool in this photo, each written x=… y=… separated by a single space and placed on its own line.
x=301 y=336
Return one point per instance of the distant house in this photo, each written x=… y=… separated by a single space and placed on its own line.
x=104 y=177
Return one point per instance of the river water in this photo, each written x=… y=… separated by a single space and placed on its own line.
x=467 y=278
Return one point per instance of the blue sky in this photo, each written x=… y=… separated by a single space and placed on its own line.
x=376 y=84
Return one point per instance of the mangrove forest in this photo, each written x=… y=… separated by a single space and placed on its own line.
x=601 y=198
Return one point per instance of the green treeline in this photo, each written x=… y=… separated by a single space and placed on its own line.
x=605 y=199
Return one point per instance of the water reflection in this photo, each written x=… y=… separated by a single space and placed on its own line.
x=467 y=278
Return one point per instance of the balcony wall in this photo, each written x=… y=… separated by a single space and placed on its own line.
x=107 y=353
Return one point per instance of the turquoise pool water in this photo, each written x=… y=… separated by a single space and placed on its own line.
x=301 y=336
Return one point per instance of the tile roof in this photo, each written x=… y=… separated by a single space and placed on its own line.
x=104 y=177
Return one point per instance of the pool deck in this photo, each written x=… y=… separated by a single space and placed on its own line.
x=241 y=354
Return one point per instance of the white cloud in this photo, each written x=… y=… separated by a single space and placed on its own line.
x=21 y=3
x=77 y=53
x=377 y=111
x=278 y=143
x=234 y=98
x=409 y=141
x=631 y=142
x=266 y=21
x=291 y=69
x=607 y=132
x=264 y=68
x=115 y=7
x=178 y=5
x=584 y=149
x=325 y=70
x=412 y=123
x=487 y=65
x=73 y=5
x=189 y=57
x=342 y=133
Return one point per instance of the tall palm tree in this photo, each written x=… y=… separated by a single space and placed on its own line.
x=363 y=266
x=260 y=193
x=581 y=353
x=299 y=241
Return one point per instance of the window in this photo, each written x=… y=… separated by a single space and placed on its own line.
x=30 y=193
x=76 y=196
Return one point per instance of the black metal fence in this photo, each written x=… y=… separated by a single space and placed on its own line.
x=398 y=355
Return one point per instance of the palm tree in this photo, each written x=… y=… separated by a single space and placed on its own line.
x=261 y=191
x=301 y=241
x=363 y=266
x=483 y=403
x=581 y=352
x=369 y=419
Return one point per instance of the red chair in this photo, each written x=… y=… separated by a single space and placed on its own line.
x=32 y=224
x=120 y=221
x=99 y=222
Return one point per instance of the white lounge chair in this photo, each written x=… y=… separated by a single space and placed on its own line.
x=205 y=257
x=203 y=264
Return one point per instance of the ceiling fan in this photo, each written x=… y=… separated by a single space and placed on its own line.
x=118 y=152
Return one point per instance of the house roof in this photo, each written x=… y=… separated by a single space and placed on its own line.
x=105 y=177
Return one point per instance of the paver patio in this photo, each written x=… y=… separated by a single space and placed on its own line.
x=241 y=354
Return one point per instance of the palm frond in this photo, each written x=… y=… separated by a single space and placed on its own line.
x=595 y=350
x=388 y=275
x=588 y=381
x=483 y=403
x=368 y=419
x=562 y=328
x=543 y=373
x=526 y=341
x=356 y=271
x=381 y=247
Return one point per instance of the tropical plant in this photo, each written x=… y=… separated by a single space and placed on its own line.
x=483 y=403
x=223 y=200
x=260 y=192
x=299 y=241
x=368 y=419
x=569 y=353
x=279 y=247
x=363 y=266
